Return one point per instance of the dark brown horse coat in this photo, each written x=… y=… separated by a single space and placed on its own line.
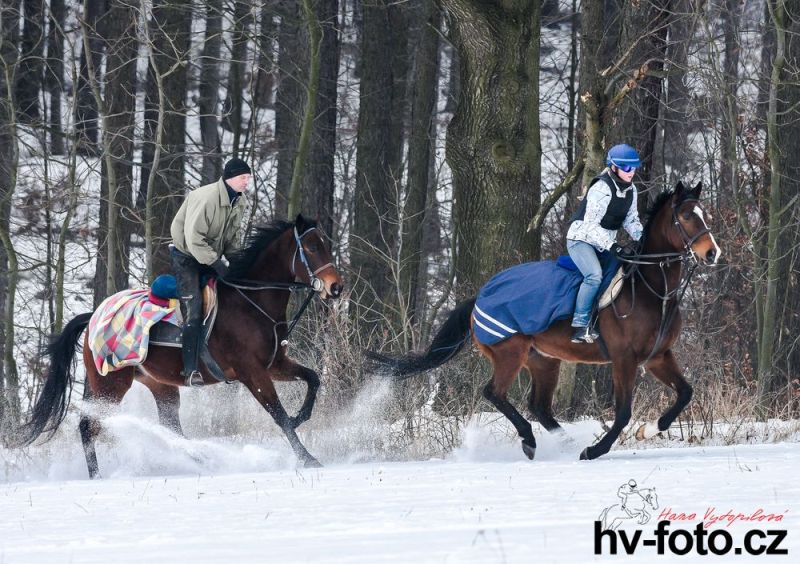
x=246 y=341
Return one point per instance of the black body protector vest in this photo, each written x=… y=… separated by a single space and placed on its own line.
x=617 y=209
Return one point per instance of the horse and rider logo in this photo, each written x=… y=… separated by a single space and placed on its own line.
x=636 y=504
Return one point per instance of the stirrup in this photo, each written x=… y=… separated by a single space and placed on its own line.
x=194 y=379
x=584 y=335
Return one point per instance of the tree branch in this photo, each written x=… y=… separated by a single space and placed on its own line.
x=560 y=190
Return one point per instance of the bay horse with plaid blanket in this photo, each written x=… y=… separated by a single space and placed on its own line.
x=247 y=341
x=640 y=329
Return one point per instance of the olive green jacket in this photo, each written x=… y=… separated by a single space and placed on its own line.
x=207 y=225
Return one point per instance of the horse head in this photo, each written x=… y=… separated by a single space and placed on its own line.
x=651 y=498
x=690 y=231
x=312 y=262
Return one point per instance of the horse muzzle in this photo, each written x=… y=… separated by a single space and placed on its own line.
x=328 y=291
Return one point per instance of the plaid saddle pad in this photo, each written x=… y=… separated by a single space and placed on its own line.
x=119 y=330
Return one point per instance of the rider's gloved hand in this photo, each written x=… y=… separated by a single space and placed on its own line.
x=618 y=250
x=220 y=266
x=634 y=247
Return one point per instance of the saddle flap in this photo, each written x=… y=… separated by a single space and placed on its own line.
x=613 y=289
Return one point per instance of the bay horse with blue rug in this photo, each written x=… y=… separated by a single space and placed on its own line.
x=639 y=328
x=247 y=344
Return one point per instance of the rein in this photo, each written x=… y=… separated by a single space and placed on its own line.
x=316 y=286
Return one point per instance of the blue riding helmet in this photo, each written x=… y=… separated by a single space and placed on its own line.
x=623 y=156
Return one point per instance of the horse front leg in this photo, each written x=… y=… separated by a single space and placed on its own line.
x=624 y=377
x=667 y=371
x=263 y=390
x=286 y=369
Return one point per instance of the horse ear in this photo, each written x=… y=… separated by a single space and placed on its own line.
x=697 y=189
x=679 y=191
x=300 y=222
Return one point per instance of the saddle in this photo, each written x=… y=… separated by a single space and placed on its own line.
x=168 y=333
x=164 y=292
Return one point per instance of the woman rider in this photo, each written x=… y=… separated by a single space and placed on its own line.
x=609 y=205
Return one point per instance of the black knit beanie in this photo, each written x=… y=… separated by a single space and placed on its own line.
x=235 y=167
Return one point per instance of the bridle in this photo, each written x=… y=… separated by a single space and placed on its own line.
x=314 y=288
x=688 y=240
x=688 y=262
x=316 y=283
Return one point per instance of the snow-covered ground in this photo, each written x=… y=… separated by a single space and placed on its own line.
x=169 y=499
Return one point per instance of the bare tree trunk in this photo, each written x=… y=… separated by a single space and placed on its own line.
x=677 y=111
x=493 y=141
x=170 y=28
x=86 y=109
x=265 y=73
x=9 y=157
x=119 y=38
x=729 y=133
x=787 y=347
x=379 y=155
x=314 y=34
x=643 y=41
x=318 y=184
x=30 y=67
x=232 y=108
x=289 y=99
x=54 y=77
x=782 y=137
x=209 y=93
x=420 y=150
x=594 y=58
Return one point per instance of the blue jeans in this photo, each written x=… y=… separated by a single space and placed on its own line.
x=585 y=258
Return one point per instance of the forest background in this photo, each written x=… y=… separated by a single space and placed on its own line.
x=436 y=141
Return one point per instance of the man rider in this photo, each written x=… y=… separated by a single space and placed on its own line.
x=205 y=229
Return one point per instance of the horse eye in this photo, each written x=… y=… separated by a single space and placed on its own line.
x=687 y=216
x=312 y=248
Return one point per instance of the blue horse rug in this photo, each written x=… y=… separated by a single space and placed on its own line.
x=530 y=297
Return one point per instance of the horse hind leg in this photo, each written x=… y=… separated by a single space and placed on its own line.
x=667 y=371
x=109 y=388
x=623 y=373
x=507 y=360
x=168 y=403
x=544 y=379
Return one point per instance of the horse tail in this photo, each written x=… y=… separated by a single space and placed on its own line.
x=51 y=407
x=447 y=343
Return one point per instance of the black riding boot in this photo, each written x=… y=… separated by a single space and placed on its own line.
x=187 y=272
x=192 y=341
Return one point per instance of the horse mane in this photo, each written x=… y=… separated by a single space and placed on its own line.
x=652 y=211
x=261 y=238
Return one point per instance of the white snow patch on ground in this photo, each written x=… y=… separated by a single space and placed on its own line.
x=168 y=499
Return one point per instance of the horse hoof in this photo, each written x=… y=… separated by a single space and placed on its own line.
x=529 y=449
x=312 y=462
x=585 y=454
x=647 y=431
